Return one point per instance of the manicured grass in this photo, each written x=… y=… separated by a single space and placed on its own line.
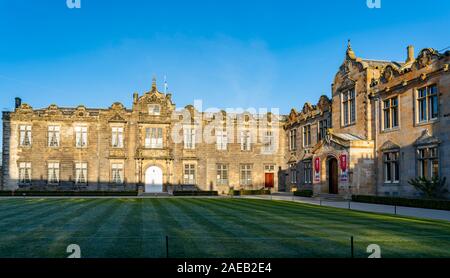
x=198 y=228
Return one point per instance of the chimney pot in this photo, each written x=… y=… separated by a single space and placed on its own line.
x=18 y=102
x=410 y=57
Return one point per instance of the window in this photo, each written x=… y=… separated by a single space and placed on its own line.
x=323 y=128
x=221 y=140
x=293 y=140
x=307 y=172
x=427 y=103
x=268 y=142
x=428 y=162
x=306 y=135
x=390 y=113
x=117 y=137
x=81 y=137
x=81 y=173
x=293 y=168
x=54 y=136
x=154 y=109
x=189 y=174
x=246 y=174
x=117 y=173
x=391 y=167
x=189 y=138
x=25 y=173
x=269 y=168
x=153 y=138
x=25 y=135
x=222 y=174
x=246 y=144
x=53 y=173
x=349 y=107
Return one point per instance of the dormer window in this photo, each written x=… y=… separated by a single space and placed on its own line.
x=154 y=109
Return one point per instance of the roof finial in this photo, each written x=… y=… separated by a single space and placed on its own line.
x=350 y=52
x=154 y=82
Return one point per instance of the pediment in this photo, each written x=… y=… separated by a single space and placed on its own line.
x=427 y=139
x=389 y=146
x=117 y=118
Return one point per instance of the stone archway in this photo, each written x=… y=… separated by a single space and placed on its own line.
x=153 y=180
x=333 y=176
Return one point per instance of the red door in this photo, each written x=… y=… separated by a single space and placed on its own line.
x=269 y=180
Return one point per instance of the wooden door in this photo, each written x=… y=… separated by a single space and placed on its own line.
x=269 y=180
x=333 y=176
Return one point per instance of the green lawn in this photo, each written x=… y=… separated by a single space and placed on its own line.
x=198 y=228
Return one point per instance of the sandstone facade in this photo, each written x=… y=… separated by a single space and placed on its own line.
x=389 y=124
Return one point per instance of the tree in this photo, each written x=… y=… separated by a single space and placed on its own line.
x=434 y=188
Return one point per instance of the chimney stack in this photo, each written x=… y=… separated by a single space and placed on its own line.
x=410 y=57
x=18 y=102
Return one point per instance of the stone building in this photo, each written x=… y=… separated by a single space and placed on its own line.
x=385 y=123
x=152 y=147
x=389 y=122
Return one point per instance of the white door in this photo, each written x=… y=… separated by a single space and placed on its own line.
x=153 y=180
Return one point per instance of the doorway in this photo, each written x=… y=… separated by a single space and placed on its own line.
x=333 y=176
x=153 y=180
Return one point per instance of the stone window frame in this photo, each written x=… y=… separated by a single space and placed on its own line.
x=115 y=134
x=50 y=134
x=393 y=164
x=268 y=141
x=189 y=137
x=222 y=144
x=293 y=173
x=348 y=107
x=83 y=166
x=84 y=131
x=25 y=131
x=307 y=171
x=117 y=167
x=189 y=169
x=246 y=174
x=430 y=159
x=390 y=109
x=26 y=168
x=245 y=137
x=50 y=166
x=307 y=136
x=223 y=177
x=427 y=103
x=154 y=142
x=152 y=111
x=322 y=129
x=293 y=139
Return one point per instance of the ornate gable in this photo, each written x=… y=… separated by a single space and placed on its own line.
x=427 y=139
x=426 y=57
x=389 y=146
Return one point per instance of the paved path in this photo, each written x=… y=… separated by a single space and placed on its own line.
x=403 y=211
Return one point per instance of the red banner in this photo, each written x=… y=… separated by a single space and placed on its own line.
x=317 y=164
x=343 y=162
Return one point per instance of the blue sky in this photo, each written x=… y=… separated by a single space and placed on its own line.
x=229 y=53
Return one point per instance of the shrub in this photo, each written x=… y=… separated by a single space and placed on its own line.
x=67 y=193
x=405 y=202
x=304 y=193
x=434 y=188
x=195 y=193
x=244 y=192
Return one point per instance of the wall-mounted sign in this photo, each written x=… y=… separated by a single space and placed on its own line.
x=317 y=169
x=343 y=163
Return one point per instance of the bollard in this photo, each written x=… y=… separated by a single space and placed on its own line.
x=352 y=247
x=167 y=247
